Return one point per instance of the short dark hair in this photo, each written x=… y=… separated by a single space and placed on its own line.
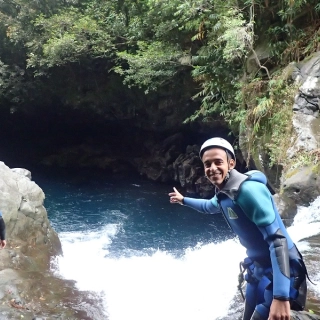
x=229 y=155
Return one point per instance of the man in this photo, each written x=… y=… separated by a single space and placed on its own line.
x=3 y=242
x=275 y=271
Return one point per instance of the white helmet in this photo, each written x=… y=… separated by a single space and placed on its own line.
x=218 y=143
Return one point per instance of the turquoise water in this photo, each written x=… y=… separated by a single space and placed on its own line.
x=147 y=258
x=140 y=208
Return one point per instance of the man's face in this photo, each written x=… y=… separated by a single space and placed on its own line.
x=216 y=165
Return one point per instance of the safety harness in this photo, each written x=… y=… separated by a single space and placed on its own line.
x=253 y=272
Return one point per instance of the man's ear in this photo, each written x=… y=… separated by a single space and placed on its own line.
x=232 y=164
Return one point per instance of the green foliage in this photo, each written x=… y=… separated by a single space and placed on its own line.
x=291 y=8
x=268 y=120
x=151 y=65
x=218 y=64
x=289 y=35
x=237 y=36
x=303 y=159
x=156 y=52
x=13 y=89
x=65 y=38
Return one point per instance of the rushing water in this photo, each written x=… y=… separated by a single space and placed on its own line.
x=150 y=259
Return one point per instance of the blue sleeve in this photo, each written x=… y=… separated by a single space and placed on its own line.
x=256 y=201
x=202 y=205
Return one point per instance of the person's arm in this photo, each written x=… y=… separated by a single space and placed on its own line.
x=256 y=201
x=202 y=205
x=2 y=233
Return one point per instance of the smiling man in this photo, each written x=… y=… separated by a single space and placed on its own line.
x=274 y=269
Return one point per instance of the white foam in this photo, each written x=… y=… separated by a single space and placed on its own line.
x=306 y=223
x=200 y=285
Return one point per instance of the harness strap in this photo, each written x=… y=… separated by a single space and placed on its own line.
x=244 y=265
x=241 y=280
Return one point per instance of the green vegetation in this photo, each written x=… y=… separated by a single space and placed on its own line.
x=268 y=117
x=153 y=44
x=307 y=159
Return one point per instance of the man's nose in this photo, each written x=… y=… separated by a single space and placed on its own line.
x=213 y=167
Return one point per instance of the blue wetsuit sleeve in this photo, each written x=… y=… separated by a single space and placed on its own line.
x=205 y=206
x=256 y=201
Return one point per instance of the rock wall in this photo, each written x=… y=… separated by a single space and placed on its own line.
x=303 y=184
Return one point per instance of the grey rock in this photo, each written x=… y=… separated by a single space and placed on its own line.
x=303 y=186
x=306 y=133
x=311 y=66
x=286 y=207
